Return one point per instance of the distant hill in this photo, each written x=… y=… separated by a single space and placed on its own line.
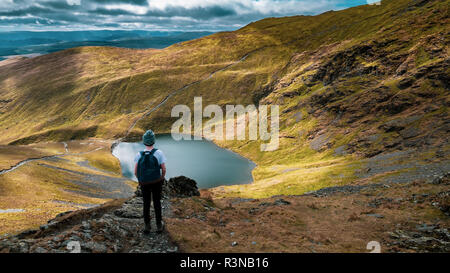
x=42 y=42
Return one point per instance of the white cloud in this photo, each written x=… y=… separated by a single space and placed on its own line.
x=74 y=2
x=250 y=6
x=139 y=10
x=191 y=14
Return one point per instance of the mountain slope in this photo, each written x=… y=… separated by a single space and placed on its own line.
x=350 y=84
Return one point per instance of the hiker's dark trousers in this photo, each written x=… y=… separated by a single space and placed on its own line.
x=149 y=191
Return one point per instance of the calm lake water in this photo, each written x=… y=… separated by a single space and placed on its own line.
x=200 y=160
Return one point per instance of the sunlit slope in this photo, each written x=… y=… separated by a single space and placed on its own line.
x=280 y=49
x=100 y=91
x=356 y=82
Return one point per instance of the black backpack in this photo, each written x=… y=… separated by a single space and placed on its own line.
x=148 y=168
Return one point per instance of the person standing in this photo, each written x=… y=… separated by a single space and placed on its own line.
x=150 y=170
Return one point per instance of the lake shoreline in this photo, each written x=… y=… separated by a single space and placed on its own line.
x=208 y=153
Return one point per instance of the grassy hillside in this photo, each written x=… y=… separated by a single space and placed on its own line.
x=350 y=84
x=60 y=178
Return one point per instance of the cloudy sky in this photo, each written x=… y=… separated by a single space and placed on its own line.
x=153 y=14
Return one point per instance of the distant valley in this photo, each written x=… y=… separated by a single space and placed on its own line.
x=29 y=43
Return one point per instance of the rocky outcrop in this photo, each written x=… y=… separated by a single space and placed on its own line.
x=179 y=187
x=425 y=238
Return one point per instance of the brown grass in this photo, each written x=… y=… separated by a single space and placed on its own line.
x=337 y=223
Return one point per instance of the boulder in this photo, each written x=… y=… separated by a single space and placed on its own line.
x=129 y=211
x=180 y=187
x=319 y=142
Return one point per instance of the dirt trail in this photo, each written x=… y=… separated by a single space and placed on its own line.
x=23 y=162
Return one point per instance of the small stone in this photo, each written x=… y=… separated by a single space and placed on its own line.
x=23 y=247
x=172 y=250
x=341 y=150
x=86 y=225
x=40 y=250
x=281 y=202
x=75 y=238
x=95 y=247
x=233 y=244
x=298 y=116
x=425 y=228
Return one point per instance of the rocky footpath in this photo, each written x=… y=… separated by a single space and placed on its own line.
x=115 y=226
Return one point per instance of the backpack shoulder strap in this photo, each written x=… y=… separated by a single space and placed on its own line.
x=153 y=151
x=142 y=156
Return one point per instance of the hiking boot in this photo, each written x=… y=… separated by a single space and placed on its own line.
x=147 y=228
x=159 y=227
